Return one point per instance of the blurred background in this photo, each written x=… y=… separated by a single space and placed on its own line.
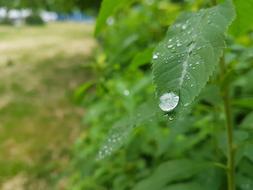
x=62 y=89
x=44 y=46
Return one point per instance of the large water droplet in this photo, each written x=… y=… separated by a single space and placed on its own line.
x=168 y=101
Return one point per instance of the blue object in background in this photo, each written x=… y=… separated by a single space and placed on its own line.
x=75 y=16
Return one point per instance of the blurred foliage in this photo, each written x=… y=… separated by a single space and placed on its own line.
x=6 y=21
x=187 y=155
x=52 y=5
x=34 y=19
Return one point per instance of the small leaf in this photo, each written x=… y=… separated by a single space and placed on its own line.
x=171 y=171
x=247 y=122
x=142 y=58
x=80 y=91
x=185 y=59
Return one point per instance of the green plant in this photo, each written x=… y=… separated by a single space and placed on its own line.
x=187 y=57
x=199 y=73
x=34 y=19
x=6 y=21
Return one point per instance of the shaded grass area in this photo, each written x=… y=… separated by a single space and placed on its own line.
x=38 y=120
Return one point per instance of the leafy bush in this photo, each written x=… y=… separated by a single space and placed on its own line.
x=202 y=77
x=34 y=19
x=6 y=21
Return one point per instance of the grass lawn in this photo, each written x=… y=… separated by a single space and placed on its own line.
x=39 y=69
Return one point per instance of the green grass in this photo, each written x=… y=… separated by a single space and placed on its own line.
x=40 y=67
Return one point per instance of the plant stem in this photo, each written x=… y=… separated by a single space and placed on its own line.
x=229 y=130
x=229 y=126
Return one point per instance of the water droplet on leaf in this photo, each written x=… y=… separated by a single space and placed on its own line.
x=184 y=26
x=155 y=56
x=168 y=101
x=110 y=21
x=187 y=104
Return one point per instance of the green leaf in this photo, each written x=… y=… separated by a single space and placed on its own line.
x=240 y=136
x=247 y=122
x=213 y=178
x=244 y=102
x=185 y=186
x=245 y=183
x=246 y=168
x=121 y=130
x=108 y=7
x=169 y=172
x=248 y=151
x=243 y=22
x=141 y=58
x=185 y=59
x=80 y=91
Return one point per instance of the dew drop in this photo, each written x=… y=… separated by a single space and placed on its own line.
x=155 y=56
x=170 y=46
x=187 y=104
x=168 y=101
x=179 y=44
x=110 y=21
x=184 y=26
